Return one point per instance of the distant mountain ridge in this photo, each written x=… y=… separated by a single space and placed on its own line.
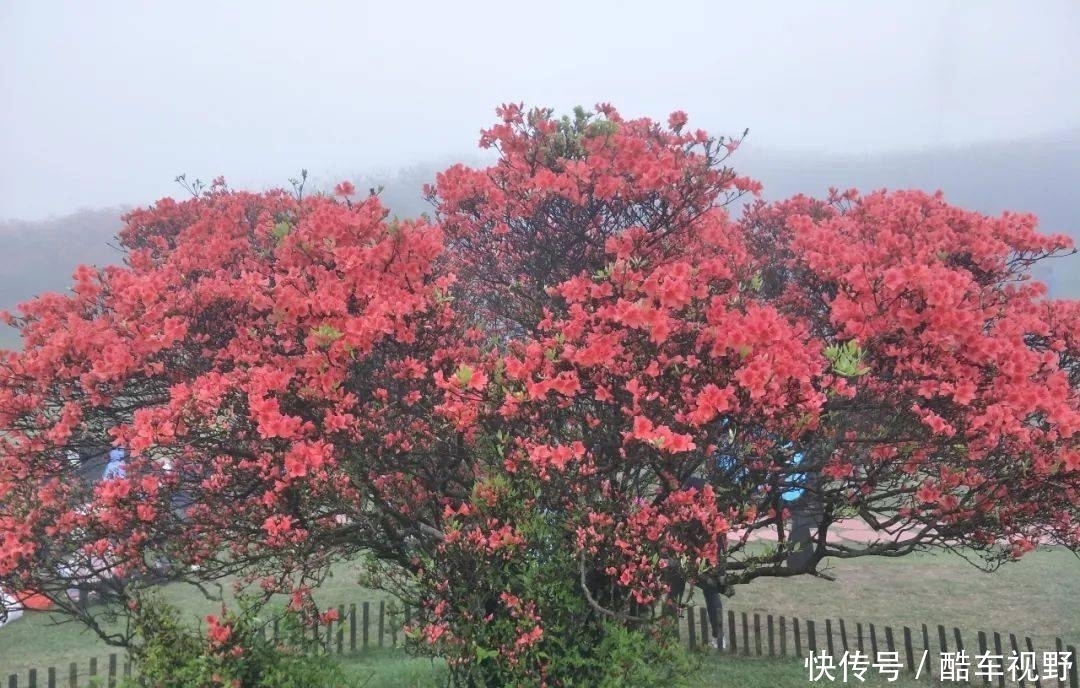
x=1041 y=176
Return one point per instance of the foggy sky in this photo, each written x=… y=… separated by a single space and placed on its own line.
x=104 y=103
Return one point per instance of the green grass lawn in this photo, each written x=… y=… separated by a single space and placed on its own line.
x=40 y=639
x=1037 y=597
x=394 y=669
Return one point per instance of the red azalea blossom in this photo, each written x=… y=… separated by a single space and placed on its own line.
x=345 y=189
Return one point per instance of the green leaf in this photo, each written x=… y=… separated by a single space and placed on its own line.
x=326 y=334
x=846 y=359
x=483 y=653
x=281 y=230
x=464 y=374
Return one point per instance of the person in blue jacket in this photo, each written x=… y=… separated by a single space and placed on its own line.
x=115 y=468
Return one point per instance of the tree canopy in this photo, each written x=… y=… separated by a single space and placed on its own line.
x=502 y=406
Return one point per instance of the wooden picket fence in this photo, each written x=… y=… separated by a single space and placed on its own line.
x=769 y=635
x=367 y=625
x=359 y=627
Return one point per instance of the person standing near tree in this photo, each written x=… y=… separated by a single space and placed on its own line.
x=115 y=468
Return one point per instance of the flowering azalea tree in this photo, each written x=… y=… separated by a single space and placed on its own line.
x=585 y=380
x=269 y=363
x=885 y=357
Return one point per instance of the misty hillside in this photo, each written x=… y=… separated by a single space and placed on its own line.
x=1038 y=175
x=39 y=257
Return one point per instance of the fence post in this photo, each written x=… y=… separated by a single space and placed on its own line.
x=352 y=628
x=691 y=627
x=873 y=644
x=909 y=650
x=926 y=646
x=783 y=636
x=13 y=681
x=382 y=621
x=811 y=636
x=393 y=633
x=943 y=643
x=959 y=640
x=112 y=670
x=983 y=651
x=73 y=675
x=706 y=632
x=1031 y=649
x=1015 y=648
x=1059 y=646
x=843 y=635
x=31 y=678
x=828 y=638
x=51 y=680
x=367 y=622
x=798 y=638
x=998 y=651
x=341 y=629
x=731 y=632
x=93 y=668
x=772 y=638
x=757 y=634
x=858 y=631
x=1074 y=675
x=745 y=635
